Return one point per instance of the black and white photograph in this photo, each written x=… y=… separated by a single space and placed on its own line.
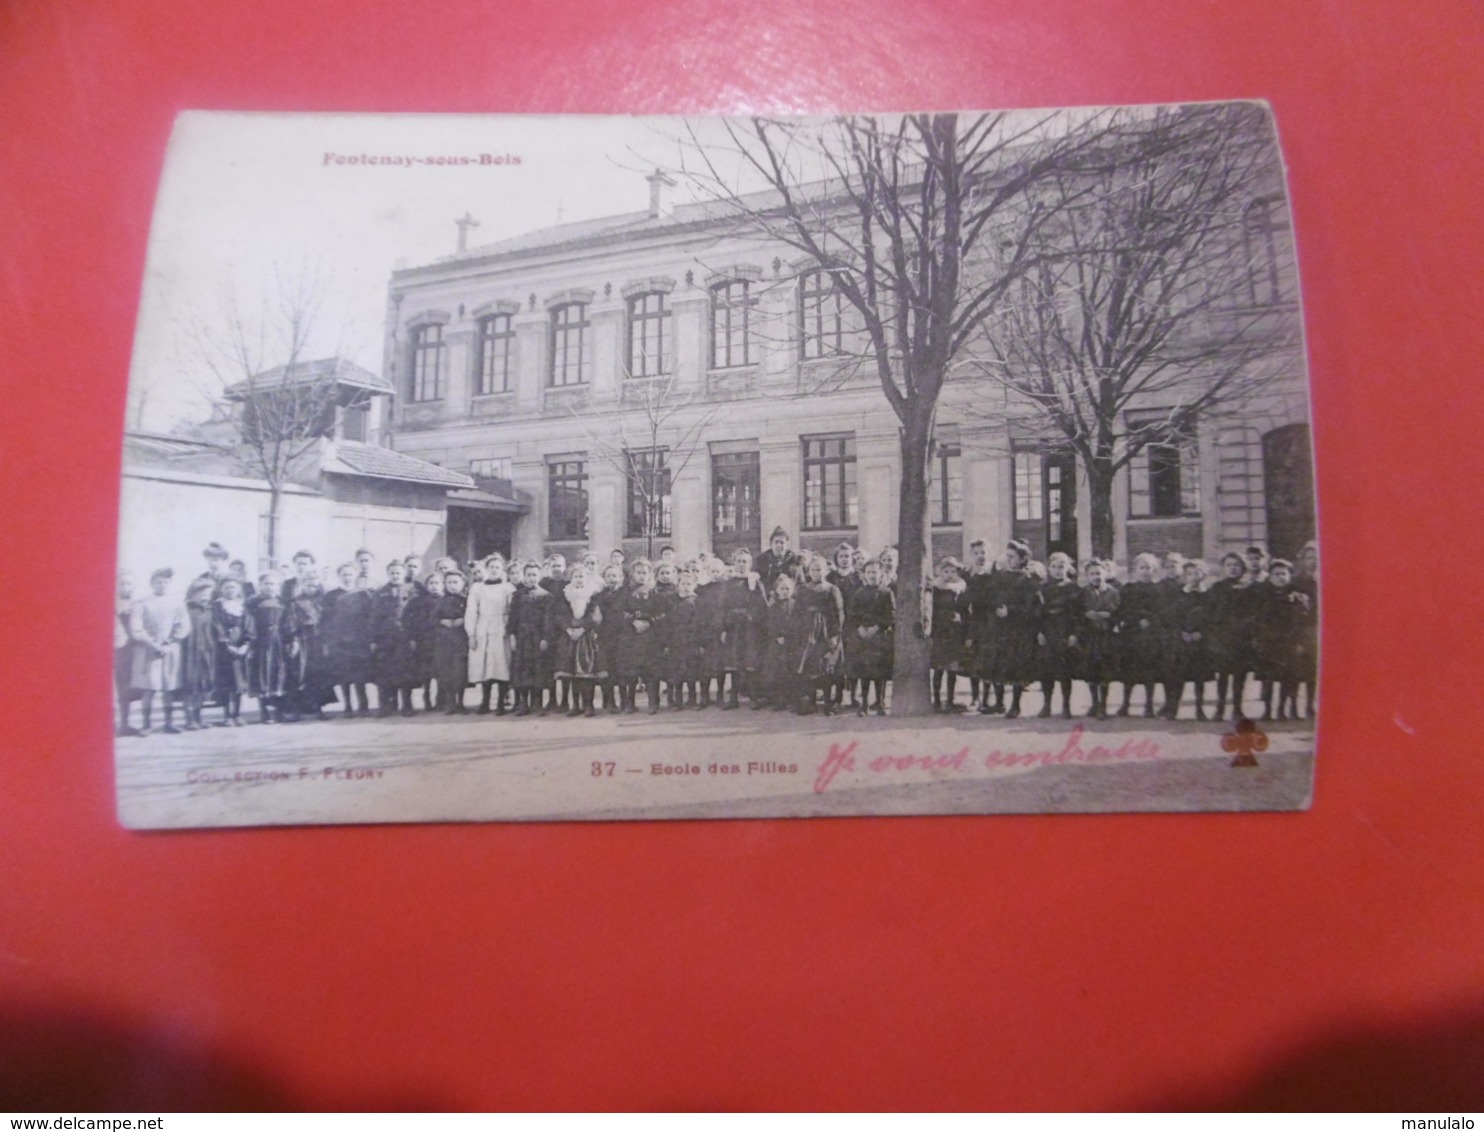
x=484 y=468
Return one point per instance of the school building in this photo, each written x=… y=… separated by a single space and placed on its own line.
x=657 y=378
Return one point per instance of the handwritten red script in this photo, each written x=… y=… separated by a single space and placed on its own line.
x=842 y=759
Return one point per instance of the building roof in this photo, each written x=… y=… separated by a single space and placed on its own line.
x=600 y=230
x=480 y=499
x=350 y=458
x=144 y=449
x=339 y=370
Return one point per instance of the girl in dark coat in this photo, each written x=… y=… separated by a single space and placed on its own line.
x=1281 y=630
x=948 y=609
x=665 y=577
x=1140 y=634
x=269 y=664
x=783 y=641
x=451 y=645
x=1192 y=659
x=576 y=624
x=1306 y=582
x=744 y=608
x=233 y=626
x=685 y=644
x=1008 y=656
x=1060 y=628
x=422 y=622
x=638 y=661
x=198 y=653
x=846 y=578
x=345 y=630
x=1099 y=613
x=1228 y=631
x=392 y=657
x=608 y=600
x=529 y=626
x=869 y=622
x=1166 y=597
x=823 y=613
x=312 y=684
x=711 y=597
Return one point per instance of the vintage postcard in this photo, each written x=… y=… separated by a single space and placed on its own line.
x=579 y=468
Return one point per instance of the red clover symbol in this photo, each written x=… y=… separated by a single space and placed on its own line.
x=1245 y=741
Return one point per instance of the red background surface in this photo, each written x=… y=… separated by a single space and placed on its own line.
x=1334 y=957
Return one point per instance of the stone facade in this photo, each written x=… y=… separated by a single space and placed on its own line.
x=767 y=403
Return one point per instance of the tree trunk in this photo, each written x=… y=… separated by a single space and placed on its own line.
x=1100 y=500
x=275 y=496
x=910 y=692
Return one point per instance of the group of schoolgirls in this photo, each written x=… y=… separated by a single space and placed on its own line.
x=1018 y=623
x=688 y=635
x=287 y=642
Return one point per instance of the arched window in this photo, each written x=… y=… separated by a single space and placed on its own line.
x=649 y=334
x=429 y=360
x=732 y=303
x=570 y=344
x=821 y=316
x=496 y=338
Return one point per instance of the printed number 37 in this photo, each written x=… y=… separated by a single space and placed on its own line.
x=603 y=770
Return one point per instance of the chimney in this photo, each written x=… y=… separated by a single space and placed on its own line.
x=659 y=180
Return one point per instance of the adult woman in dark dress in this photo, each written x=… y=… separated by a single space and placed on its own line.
x=744 y=607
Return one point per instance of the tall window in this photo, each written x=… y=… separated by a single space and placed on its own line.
x=1260 y=244
x=821 y=316
x=649 y=335
x=1029 y=488
x=566 y=499
x=948 y=486
x=496 y=336
x=1165 y=477
x=428 y=360
x=829 y=482
x=570 y=344
x=731 y=324
x=735 y=482
x=649 y=493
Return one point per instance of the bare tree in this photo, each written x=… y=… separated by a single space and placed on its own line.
x=266 y=362
x=1161 y=296
x=923 y=224
x=650 y=440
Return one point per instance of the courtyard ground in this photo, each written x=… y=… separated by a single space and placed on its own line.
x=693 y=764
